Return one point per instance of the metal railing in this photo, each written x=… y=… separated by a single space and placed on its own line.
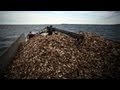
x=72 y=34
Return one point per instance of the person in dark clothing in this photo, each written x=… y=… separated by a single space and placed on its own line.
x=30 y=35
x=49 y=30
x=51 y=26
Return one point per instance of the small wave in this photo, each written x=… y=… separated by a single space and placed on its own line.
x=2 y=49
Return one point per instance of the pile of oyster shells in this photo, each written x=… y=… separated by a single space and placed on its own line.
x=59 y=56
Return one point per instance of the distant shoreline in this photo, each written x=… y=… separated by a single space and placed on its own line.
x=59 y=24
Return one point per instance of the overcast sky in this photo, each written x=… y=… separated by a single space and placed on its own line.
x=59 y=17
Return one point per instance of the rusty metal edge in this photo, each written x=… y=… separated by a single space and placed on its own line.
x=7 y=56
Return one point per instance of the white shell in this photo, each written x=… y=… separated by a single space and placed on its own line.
x=44 y=34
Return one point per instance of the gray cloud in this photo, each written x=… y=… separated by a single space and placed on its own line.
x=114 y=14
x=57 y=17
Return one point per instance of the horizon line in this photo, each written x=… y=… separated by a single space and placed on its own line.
x=57 y=24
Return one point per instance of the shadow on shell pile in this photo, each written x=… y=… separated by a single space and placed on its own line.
x=59 y=56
